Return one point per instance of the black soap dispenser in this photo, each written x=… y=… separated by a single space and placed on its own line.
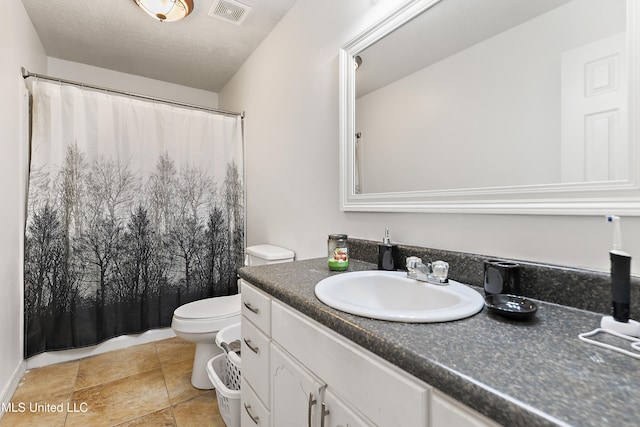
x=386 y=251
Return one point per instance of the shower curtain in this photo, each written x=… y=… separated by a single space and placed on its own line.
x=134 y=208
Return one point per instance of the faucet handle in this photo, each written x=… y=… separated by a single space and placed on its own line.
x=413 y=261
x=440 y=270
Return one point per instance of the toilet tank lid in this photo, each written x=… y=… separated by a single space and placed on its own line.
x=270 y=252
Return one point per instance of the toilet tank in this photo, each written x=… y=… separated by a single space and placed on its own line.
x=267 y=254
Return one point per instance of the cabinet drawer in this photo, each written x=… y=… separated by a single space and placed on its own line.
x=255 y=359
x=386 y=394
x=256 y=306
x=252 y=412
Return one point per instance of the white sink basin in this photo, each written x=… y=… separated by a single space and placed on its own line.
x=391 y=295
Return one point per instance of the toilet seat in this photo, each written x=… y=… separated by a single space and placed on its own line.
x=207 y=315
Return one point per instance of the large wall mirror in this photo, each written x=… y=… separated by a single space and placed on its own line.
x=494 y=106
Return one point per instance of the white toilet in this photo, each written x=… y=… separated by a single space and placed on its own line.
x=199 y=321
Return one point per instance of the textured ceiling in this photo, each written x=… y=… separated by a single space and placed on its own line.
x=200 y=51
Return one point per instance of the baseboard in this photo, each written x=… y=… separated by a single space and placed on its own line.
x=10 y=389
x=117 y=343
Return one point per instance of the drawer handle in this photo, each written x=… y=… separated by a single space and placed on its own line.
x=254 y=418
x=325 y=412
x=311 y=402
x=251 y=308
x=251 y=347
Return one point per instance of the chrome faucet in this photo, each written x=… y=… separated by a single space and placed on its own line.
x=433 y=272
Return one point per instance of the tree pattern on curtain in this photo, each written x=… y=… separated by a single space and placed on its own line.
x=110 y=250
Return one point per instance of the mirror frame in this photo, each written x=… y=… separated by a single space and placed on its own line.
x=587 y=198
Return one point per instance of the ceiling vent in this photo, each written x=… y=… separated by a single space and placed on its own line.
x=230 y=11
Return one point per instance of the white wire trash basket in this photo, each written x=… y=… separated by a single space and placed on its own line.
x=224 y=372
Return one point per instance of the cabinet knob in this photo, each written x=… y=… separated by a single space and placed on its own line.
x=251 y=347
x=254 y=418
x=251 y=308
x=325 y=412
x=312 y=402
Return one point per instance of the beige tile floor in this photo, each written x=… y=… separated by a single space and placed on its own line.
x=144 y=385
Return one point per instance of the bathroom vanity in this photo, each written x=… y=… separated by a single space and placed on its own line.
x=479 y=371
x=312 y=376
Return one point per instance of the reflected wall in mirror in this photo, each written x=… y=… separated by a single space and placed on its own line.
x=458 y=103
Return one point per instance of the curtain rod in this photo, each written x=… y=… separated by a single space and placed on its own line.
x=26 y=74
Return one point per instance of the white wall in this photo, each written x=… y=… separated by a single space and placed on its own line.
x=138 y=85
x=289 y=89
x=20 y=46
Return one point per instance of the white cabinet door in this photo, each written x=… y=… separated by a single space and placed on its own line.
x=295 y=392
x=447 y=412
x=381 y=391
x=339 y=414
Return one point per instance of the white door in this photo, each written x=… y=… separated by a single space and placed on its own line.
x=594 y=112
x=296 y=394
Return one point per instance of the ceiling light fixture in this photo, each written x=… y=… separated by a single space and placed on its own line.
x=166 y=10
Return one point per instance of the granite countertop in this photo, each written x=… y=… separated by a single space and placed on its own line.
x=531 y=373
